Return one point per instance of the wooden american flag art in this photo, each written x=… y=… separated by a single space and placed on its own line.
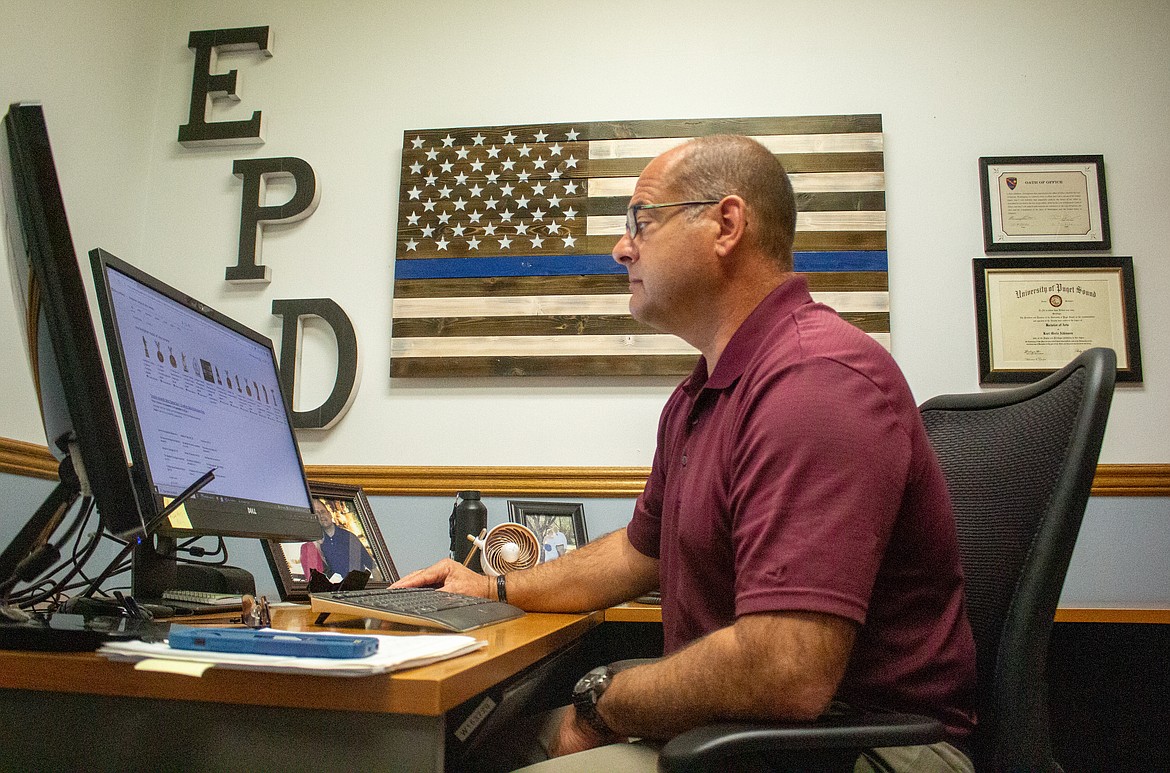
x=503 y=263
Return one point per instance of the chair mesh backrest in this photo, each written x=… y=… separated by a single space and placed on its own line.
x=1002 y=466
x=1011 y=464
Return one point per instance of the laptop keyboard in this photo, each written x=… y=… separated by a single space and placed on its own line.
x=424 y=607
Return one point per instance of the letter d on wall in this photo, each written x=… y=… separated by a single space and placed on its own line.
x=345 y=385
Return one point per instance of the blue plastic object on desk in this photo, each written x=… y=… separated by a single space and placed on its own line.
x=268 y=642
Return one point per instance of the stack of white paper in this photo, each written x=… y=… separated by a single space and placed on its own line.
x=394 y=653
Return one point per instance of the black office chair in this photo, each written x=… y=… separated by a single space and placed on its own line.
x=1019 y=465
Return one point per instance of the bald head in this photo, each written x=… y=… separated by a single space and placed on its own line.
x=724 y=164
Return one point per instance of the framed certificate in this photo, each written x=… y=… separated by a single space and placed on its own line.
x=1044 y=203
x=1033 y=315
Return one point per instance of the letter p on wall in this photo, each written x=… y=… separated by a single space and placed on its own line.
x=254 y=212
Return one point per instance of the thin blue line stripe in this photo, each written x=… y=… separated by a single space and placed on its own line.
x=855 y=260
x=576 y=265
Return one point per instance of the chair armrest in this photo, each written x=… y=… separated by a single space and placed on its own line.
x=703 y=748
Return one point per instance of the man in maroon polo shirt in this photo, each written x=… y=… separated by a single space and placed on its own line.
x=795 y=517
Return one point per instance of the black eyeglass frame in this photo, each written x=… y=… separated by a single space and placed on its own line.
x=633 y=228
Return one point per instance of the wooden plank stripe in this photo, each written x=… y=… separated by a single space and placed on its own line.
x=685 y=127
x=539 y=346
x=537 y=219
x=819 y=281
x=566 y=265
x=568 y=305
x=646 y=149
x=615 y=225
x=510 y=306
x=577 y=325
x=847 y=281
x=607 y=216
x=549 y=345
x=849 y=241
x=616 y=205
x=841 y=201
x=482 y=367
x=621 y=168
x=820 y=182
x=451 y=287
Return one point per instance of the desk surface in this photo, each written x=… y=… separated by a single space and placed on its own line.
x=430 y=690
x=634 y=612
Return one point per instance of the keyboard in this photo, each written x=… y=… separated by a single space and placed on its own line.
x=416 y=606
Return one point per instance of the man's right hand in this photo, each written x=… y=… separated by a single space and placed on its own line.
x=452 y=577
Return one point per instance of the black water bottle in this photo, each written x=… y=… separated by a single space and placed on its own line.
x=468 y=516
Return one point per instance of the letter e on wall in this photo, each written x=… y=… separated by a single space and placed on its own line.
x=206 y=85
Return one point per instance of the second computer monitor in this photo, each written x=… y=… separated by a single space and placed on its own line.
x=200 y=391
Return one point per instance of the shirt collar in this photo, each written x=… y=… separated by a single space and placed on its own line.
x=754 y=330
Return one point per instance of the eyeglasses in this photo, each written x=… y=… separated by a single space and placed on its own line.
x=633 y=227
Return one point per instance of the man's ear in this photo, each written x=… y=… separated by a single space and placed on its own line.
x=732 y=214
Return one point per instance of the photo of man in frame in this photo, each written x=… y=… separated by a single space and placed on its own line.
x=340 y=549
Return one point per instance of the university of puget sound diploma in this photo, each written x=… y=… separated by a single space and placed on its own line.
x=1040 y=319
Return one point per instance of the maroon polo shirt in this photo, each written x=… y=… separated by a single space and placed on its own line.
x=798 y=476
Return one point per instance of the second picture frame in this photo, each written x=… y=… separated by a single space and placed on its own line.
x=559 y=526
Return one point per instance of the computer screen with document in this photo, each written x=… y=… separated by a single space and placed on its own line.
x=199 y=391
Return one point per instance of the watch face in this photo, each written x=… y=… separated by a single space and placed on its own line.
x=592 y=680
x=586 y=694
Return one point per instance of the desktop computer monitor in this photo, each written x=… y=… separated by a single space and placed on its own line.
x=77 y=412
x=201 y=392
x=176 y=431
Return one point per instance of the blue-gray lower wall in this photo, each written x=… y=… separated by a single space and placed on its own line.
x=1122 y=555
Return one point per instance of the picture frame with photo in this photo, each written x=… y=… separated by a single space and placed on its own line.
x=559 y=526
x=360 y=546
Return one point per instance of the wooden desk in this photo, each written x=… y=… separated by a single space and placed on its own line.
x=633 y=612
x=82 y=711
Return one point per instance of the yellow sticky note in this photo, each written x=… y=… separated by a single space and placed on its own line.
x=181 y=667
x=178 y=519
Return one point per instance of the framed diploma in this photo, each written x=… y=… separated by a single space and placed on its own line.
x=1044 y=203
x=1033 y=315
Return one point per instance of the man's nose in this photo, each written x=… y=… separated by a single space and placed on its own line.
x=624 y=251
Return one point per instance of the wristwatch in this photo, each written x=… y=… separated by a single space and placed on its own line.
x=587 y=693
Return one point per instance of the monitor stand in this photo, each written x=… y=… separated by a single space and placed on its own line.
x=28 y=555
x=31 y=551
x=155 y=570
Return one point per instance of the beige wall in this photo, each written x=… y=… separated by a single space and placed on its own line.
x=953 y=82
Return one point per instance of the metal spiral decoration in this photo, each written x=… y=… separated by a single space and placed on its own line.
x=508 y=547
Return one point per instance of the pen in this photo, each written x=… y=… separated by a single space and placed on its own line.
x=183 y=496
